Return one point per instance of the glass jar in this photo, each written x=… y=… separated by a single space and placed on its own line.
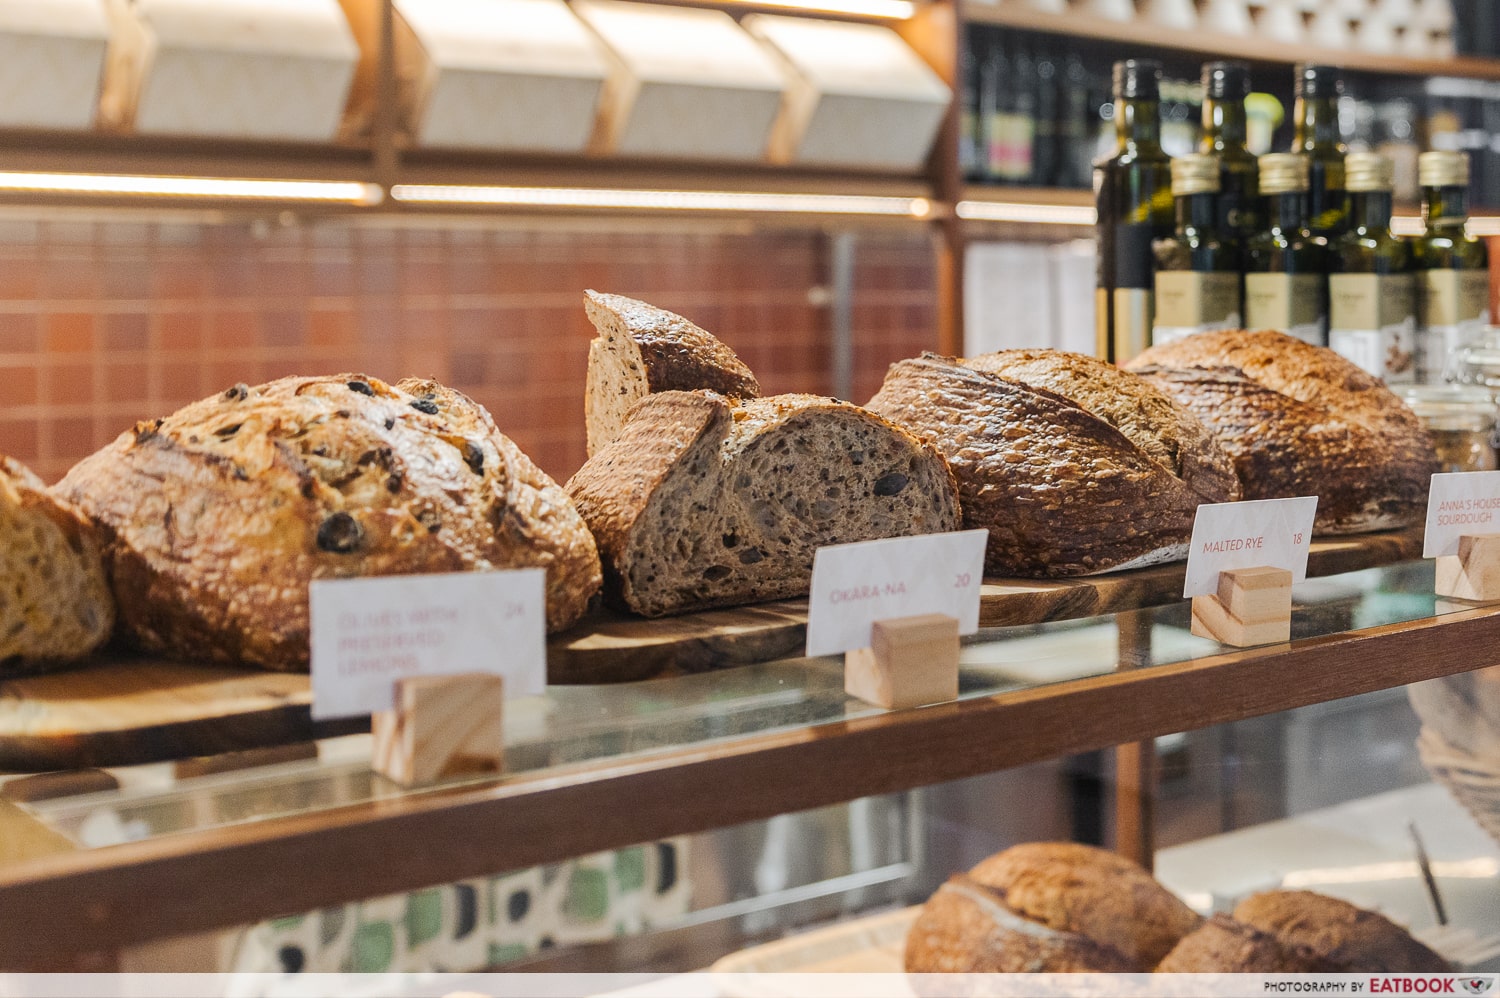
x=1478 y=362
x=1461 y=421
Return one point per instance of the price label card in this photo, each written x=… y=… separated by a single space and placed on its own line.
x=1275 y=533
x=368 y=633
x=1466 y=502
x=854 y=585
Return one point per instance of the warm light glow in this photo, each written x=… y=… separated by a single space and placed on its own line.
x=1479 y=868
x=1015 y=211
x=190 y=187
x=591 y=197
x=895 y=10
x=1411 y=225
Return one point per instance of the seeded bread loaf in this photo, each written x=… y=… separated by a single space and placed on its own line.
x=1300 y=420
x=215 y=519
x=704 y=500
x=1074 y=466
x=1360 y=941
x=1223 y=946
x=643 y=349
x=55 y=604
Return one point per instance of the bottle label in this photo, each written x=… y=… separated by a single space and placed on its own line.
x=1454 y=311
x=1372 y=321
x=1132 y=322
x=1291 y=303
x=1189 y=302
x=995 y=146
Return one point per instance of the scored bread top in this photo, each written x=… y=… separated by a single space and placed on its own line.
x=216 y=518
x=1359 y=940
x=1223 y=946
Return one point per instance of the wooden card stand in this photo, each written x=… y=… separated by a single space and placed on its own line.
x=442 y=726
x=911 y=661
x=1252 y=607
x=1473 y=573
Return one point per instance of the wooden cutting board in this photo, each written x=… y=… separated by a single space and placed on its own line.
x=122 y=711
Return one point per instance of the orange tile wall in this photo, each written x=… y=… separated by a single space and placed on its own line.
x=104 y=322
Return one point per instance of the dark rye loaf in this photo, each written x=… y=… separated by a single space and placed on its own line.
x=1074 y=466
x=704 y=500
x=216 y=518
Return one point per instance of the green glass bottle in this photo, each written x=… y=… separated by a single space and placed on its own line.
x=1225 y=87
x=1372 y=283
x=1133 y=191
x=1286 y=268
x=1453 y=267
x=1317 y=135
x=1197 y=269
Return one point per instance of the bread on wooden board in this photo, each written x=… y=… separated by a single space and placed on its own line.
x=1357 y=940
x=1300 y=420
x=1077 y=891
x=643 y=349
x=55 y=603
x=1074 y=466
x=215 y=519
x=704 y=500
x=1223 y=946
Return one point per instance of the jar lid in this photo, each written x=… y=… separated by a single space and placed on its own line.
x=1452 y=407
x=1478 y=361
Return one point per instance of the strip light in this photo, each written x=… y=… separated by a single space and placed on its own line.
x=1015 y=211
x=191 y=187
x=895 y=10
x=591 y=197
x=1411 y=225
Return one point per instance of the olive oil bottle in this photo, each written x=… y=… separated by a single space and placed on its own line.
x=1198 y=268
x=1453 y=266
x=1317 y=136
x=1225 y=87
x=1286 y=268
x=1372 y=283
x=1133 y=191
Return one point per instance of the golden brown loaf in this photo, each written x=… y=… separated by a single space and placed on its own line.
x=1079 y=908
x=55 y=603
x=216 y=518
x=1301 y=420
x=708 y=501
x=1224 y=946
x=1358 y=940
x=643 y=349
x=1072 y=465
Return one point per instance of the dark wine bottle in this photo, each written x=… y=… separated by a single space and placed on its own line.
x=1372 y=284
x=1317 y=136
x=1045 y=153
x=1225 y=87
x=1453 y=267
x=1197 y=269
x=1286 y=268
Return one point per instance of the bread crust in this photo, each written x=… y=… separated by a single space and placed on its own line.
x=1062 y=490
x=1224 y=946
x=1301 y=420
x=216 y=518
x=1360 y=941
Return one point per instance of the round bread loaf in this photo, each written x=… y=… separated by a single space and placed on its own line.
x=55 y=604
x=1357 y=940
x=215 y=519
x=1300 y=420
x=1073 y=466
x=1223 y=946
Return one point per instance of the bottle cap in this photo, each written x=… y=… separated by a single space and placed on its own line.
x=1368 y=171
x=1195 y=173
x=1444 y=168
x=1319 y=81
x=1283 y=172
x=1137 y=79
x=1226 y=80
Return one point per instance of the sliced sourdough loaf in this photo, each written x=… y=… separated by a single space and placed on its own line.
x=1300 y=420
x=1073 y=466
x=55 y=604
x=215 y=519
x=704 y=500
x=643 y=349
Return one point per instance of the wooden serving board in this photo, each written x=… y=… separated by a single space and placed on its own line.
x=122 y=711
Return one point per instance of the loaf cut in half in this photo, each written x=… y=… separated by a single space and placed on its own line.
x=215 y=519
x=1074 y=466
x=55 y=603
x=704 y=500
x=1049 y=906
x=1299 y=420
x=642 y=349
x=1359 y=941
x=1224 y=946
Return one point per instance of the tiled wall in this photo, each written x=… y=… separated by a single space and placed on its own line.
x=106 y=320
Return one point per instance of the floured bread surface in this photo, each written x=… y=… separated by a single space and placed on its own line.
x=1224 y=946
x=708 y=501
x=1360 y=941
x=55 y=604
x=1301 y=420
x=643 y=349
x=215 y=519
x=1063 y=489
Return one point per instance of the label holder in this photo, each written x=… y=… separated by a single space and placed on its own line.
x=440 y=728
x=911 y=662
x=1253 y=606
x=1474 y=572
